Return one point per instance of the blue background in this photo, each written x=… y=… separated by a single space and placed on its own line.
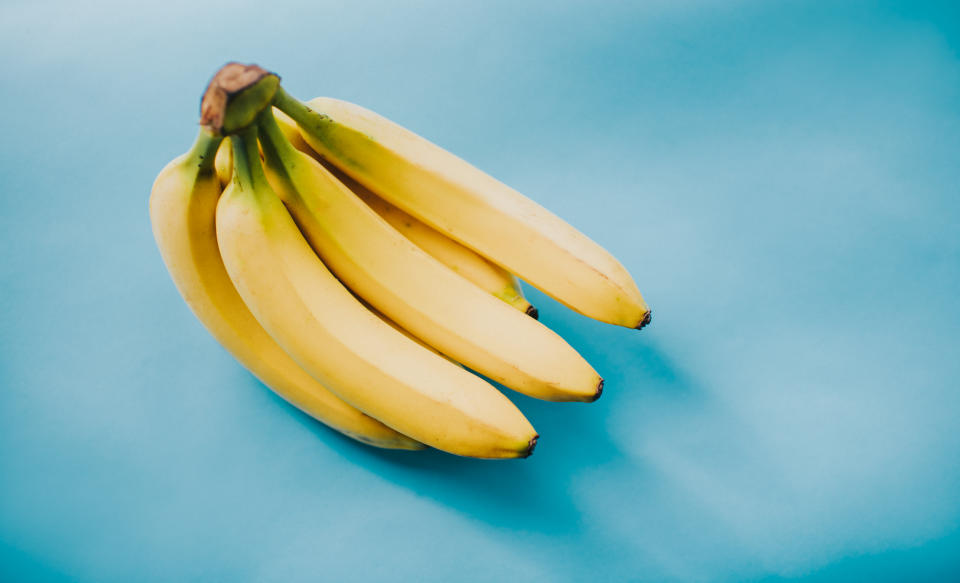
x=781 y=178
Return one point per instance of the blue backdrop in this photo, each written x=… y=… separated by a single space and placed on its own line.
x=781 y=178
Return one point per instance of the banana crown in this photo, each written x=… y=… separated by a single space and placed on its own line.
x=235 y=96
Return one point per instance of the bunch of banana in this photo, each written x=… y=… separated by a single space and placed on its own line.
x=362 y=272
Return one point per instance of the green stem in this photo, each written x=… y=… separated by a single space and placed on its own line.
x=204 y=150
x=278 y=152
x=247 y=169
x=305 y=117
x=242 y=108
x=234 y=97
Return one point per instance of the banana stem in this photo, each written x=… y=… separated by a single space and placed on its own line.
x=277 y=149
x=247 y=169
x=235 y=95
x=204 y=150
x=299 y=111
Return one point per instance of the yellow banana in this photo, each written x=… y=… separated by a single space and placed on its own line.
x=491 y=278
x=223 y=163
x=183 y=206
x=360 y=357
x=401 y=329
x=470 y=206
x=488 y=276
x=415 y=290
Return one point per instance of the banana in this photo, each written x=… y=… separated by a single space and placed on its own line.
x=415 y=290
x=360 y=357
x=471 y=207
x=488 y=276
x=223 y=163
x=401 y=329
x=183 y=206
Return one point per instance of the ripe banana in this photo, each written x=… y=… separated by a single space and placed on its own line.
x=415 y=290
x=470 y=206
x=183 y=206
x=401 y=329
x=337 y=340
x=488 y=276
x=223 y=163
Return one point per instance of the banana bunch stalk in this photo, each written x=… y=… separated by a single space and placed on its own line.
x=362 y=272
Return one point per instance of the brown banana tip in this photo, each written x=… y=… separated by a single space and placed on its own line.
x=533 y=312
x=598 y=393
x=530 y=445
x=645 y=321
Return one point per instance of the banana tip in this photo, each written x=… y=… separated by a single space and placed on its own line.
x=598 y=393
x=530 y=445
x=646 y=320
x=533 y=312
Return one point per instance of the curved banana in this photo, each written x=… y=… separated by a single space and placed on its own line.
x=336 y=339
x=488 y=276
x=470 y=206
x=183 y=206
x=415 y=290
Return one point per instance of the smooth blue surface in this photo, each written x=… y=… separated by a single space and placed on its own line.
x=781 y=178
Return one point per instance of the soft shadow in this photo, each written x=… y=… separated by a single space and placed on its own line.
x=536 y=494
